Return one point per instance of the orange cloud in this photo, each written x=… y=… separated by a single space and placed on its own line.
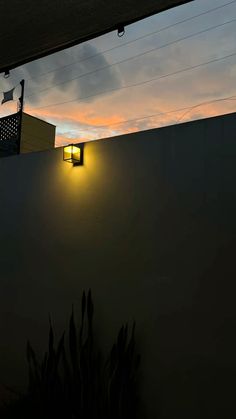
x=124 y=112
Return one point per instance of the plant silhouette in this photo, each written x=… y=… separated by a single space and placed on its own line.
x=75 y=381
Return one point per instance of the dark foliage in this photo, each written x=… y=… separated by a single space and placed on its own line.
x=75 y=382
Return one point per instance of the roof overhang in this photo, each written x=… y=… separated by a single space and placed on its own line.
x=34 y=29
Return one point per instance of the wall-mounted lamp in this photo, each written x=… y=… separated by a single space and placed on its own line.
x=74 y=154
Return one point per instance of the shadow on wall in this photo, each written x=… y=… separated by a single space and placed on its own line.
x=80 y=382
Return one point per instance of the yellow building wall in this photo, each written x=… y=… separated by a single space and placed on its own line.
x=36 y=135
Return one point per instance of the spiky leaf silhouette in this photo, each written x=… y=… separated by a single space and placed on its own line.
x=79 y=383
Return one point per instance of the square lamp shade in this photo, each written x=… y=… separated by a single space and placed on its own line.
x=73 y=154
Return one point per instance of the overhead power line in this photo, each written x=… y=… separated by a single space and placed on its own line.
x=131 y=58
x=81 y=99
x=186 y=110
x=132 y=41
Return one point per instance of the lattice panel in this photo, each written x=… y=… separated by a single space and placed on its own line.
x=10 y=132
x=9 y=127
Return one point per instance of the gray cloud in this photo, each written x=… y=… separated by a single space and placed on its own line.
x=185 y=89
x=82 y=86
x=148 y=66
x=90 y=84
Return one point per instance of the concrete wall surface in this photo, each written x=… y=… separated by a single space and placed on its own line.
x=149 y=223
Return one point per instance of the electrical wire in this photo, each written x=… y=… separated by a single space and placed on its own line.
x=132 y=41
x=81 y=99
x=186 y=109
x=131 y=58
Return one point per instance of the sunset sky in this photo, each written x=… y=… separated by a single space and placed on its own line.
x=150 y=77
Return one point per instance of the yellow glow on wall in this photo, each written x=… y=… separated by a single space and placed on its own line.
x=73 y=154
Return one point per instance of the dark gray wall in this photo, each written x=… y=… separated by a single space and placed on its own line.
x=149 y=224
